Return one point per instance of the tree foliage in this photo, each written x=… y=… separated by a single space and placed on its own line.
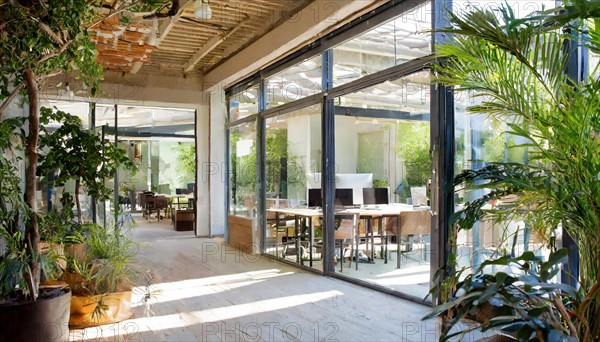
x=40 y=39
x=49 y=38
x=186 y=162
x=73 y=153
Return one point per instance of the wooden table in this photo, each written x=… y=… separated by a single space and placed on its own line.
x=175 y=204
x=297 y=213
x=369 y=213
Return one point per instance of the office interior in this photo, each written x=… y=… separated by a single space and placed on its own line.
x=371 y=91
x=161 y=144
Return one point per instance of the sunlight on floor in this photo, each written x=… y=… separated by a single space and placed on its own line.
x=185 y=289
x=180 y=320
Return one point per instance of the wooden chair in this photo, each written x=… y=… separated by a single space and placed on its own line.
x=412 y=223
x=344 y=237
x=160 y=203
x=148 y=200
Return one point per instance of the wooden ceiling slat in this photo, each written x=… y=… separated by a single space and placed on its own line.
x=189 y=35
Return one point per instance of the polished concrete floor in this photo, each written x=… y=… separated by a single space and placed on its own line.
x=202 y=290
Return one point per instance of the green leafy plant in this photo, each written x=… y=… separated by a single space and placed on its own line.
x=526 y=303
x=380 y=183
x=73 y=153
x=517 y=66
x=186 y=162
x=109 y=264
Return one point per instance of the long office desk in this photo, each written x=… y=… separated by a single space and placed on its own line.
x=369 y=212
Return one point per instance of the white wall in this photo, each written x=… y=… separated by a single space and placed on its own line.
x=346 y=145
x=213 y=173
x=299 y=142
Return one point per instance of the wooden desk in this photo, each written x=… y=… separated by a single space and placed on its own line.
x=298 y=214
x=381 y=211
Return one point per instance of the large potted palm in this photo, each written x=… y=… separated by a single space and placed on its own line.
x=519 y=68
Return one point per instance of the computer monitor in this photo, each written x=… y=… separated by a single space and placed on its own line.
x=314 y=198
x=375 y=196
x=344 y=197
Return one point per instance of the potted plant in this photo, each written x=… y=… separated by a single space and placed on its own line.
x=518 y=66
x=103 y=280
x=16 y=278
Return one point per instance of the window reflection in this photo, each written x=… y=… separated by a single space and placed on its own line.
x=400 y=40
x=294 y=83
x=243 y=104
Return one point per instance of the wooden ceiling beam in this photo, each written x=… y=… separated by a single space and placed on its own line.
x=209 y=46
x=167 y=25
x=257 y=32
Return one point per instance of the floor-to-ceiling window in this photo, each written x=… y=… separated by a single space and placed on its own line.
x=382 y=149
x=381 y=104
x=293 y=158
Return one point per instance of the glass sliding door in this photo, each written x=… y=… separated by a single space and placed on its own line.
x=383 y=165
x=293 y=150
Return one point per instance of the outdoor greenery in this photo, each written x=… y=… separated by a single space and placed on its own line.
x=413 y=148
x=186 y=163
x=518 y=67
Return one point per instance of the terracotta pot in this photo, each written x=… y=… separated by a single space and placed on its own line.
x=86 y=313
x=42 y=320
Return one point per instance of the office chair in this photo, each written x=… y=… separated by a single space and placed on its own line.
x=344 y=237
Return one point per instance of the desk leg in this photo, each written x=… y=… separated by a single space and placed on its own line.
x=297 y=236
x=356 y=238
x=398 y=241
x=311 y=240
x=384 y=239
x=372 y=233
x=277 y=235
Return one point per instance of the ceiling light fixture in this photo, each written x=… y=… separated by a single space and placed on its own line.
x=202 y=10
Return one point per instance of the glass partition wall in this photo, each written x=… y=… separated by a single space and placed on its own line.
x=377 y=97
x=160 y=142
x=293 y=153
x=382 y=144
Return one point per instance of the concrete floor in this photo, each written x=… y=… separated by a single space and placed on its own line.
x=204 y=291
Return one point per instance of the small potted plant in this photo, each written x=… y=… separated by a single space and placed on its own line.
x=102 y=282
